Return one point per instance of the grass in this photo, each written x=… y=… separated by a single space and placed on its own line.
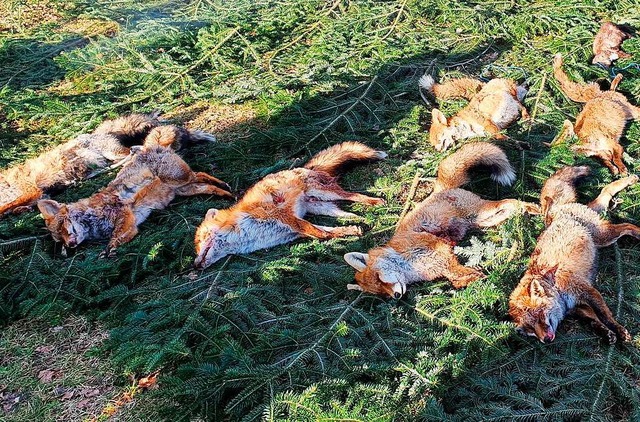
x=275 y=335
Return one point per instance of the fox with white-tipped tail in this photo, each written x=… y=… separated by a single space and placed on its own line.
x=422 y=247
x=272 y=211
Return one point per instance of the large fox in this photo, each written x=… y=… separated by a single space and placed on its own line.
x=600 y=124
x=492 y=107
x=422 y=247
x=149 y=181
x=272 y=211
x=559 y=278
x=21 y=186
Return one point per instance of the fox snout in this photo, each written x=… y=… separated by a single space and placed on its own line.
x=548 y=338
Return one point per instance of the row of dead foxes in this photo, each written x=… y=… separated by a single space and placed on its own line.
x=562 y=267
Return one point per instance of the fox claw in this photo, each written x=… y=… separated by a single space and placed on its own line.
x=107 y=253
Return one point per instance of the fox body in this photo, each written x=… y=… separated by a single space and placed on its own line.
x=600 y=124
x=607 y=42
x=559 y=278
x=150 y=180
x=21 y=186
x=492 y=107
x=422 y=246
x=272 y=211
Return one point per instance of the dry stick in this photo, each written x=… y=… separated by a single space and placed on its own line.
x=298 y=38
x=396 y=20
x=412 y=193
x=534 y=112
x=197 y=63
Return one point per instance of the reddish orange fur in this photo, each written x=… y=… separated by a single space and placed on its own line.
x=601 y=123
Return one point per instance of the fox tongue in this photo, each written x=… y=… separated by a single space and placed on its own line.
x=550 y=334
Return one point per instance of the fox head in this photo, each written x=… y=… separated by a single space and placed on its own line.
x=536 y=306
x=441 y=135
x=62 y=222
x=215 y=239
x=378 y=275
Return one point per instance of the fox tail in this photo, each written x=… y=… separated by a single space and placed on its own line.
x=453 y=171
x=334 y=160
x=131 y=129
x=453 y=88
x=176 y=137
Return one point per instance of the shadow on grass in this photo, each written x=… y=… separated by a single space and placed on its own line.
x=28 y=63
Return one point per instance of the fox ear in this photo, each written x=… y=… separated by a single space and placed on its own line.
x=357 y=260
x=49 y=208
x=211 y=213
x=536 y=291
x=550 y=275
x=438 y=117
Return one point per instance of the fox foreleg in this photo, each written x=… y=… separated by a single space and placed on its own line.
x=202 y=189
x=592 y=297
x=585 y=312
x=125 y=229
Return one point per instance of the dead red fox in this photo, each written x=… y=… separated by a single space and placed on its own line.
x=22 y=185
x=562 y=268
x=600 y=124
x=422 y=246
x=150 y=181
x=492 y=107
x=272 y=211
x=607 y=42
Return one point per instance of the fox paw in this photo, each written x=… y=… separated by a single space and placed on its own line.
x=624 y=335
x=557 y=60
x=375 y=201
x=351 y=231
x=467 y=279
x=107 y=253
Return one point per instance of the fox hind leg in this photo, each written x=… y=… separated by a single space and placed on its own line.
x=327 y=208
x=608 y=233
x=202 y=189
x=333 y=192
x=615 y=82
x=601 y=203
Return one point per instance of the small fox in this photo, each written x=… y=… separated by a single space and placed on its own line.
x=607 y=42
x=559 y=278
x=272 y=211
x=149 y=181
x=492 y=107
x=422 y=246
x=21 y=186
x=600 y=124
